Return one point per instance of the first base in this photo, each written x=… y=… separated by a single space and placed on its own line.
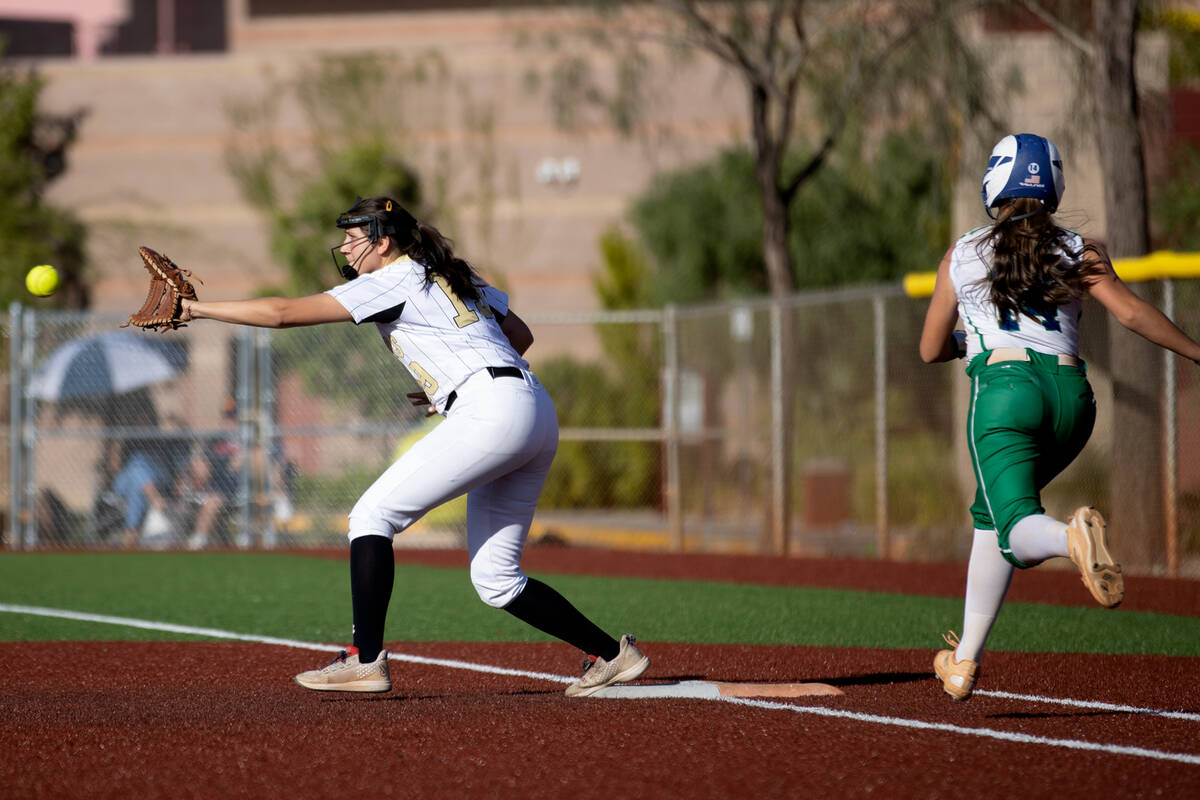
x=712 y=690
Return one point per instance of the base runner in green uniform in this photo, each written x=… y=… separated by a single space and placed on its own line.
x=1017 y=286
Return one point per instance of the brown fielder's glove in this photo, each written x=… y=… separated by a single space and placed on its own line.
x=169 y=286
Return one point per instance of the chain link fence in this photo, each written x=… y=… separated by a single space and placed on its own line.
x=807 y=427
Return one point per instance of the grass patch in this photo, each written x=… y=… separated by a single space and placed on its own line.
x=307 y=599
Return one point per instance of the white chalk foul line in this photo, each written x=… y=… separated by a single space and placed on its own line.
x=1090 y=704
x=214 y=633
x=989 y=733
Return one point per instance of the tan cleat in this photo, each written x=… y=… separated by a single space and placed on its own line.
x=958 y=677
x=627 y=666
x=1087 y=542
x=346 y=674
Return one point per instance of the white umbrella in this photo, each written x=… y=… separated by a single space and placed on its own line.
x=107 y=363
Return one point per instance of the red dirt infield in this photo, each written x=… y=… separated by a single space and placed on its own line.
x=220 y=719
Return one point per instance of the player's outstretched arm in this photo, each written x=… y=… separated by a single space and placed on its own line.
x=270 y=312
x=1139 y=316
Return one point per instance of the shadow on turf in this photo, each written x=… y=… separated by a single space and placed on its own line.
x=397 y=695
x=879 y=679
x=870 y=679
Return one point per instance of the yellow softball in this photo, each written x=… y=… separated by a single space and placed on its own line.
x=42 y=280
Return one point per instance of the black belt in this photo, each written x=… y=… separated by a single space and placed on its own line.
x=495 y=372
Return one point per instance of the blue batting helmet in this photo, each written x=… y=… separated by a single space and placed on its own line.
x=1024 y=165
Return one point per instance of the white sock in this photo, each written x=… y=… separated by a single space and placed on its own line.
x=1038 y=537
x=988 y=577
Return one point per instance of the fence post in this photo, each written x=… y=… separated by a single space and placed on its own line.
x=244 y=394
x=881 y=438
x=1170 y=448
x=28 y=478
x=671 y=434
x=779 y=526
x=266 y=429
x=16 y=380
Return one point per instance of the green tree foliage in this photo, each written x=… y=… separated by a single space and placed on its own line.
x=624 y=283
x=302 y=234
x=1183 y=33
x=703 y=226
x=698 y=237
x=838 y=65
x=599 y=474
x=356 y=109
x=301 y=204
x=624 y=286
x=332 y=360
x=1176 y=215
x=33 y=148
x=610 y=474
x=858 y=220
x=1175 y=207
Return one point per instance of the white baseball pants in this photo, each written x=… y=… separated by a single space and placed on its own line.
x=496 y=445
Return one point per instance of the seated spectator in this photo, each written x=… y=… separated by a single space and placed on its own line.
x=215 y=484
x=143 y=471
x=211 y=492
x=138 y=484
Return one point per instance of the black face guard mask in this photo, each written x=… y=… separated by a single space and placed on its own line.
x=375 y=230
x=346 y=221
x=349 y=271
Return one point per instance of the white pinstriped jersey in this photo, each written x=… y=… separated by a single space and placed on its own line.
x=440 y=338
x=1051 y=330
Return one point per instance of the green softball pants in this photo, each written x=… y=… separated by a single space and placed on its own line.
x=1027 y=422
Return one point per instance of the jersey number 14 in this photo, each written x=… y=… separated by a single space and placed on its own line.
x=464 y=316
x=1047 y=315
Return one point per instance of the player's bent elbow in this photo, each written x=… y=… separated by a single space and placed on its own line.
x=1134 y=319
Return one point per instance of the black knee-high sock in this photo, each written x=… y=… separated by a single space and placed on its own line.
x=372 y=572
x=548 y=611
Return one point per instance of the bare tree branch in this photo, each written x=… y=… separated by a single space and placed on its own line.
x=800 y=54
x=717 y=42
x=865 y=73
x=791 y=93
x=815 y=162
x=798 y=22
x=773 y=28
x=1060 y=28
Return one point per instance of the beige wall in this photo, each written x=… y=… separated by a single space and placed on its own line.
x=148 y=166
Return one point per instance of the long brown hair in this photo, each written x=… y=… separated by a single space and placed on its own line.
x=1035 y=263
x=422 y=243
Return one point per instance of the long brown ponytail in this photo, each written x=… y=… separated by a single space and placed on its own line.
x=1034 y=262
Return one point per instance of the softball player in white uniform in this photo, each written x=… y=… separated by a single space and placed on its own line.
x=1017 y=286
x=463 y=345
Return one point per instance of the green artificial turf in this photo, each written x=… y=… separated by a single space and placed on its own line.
x=307 y=599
